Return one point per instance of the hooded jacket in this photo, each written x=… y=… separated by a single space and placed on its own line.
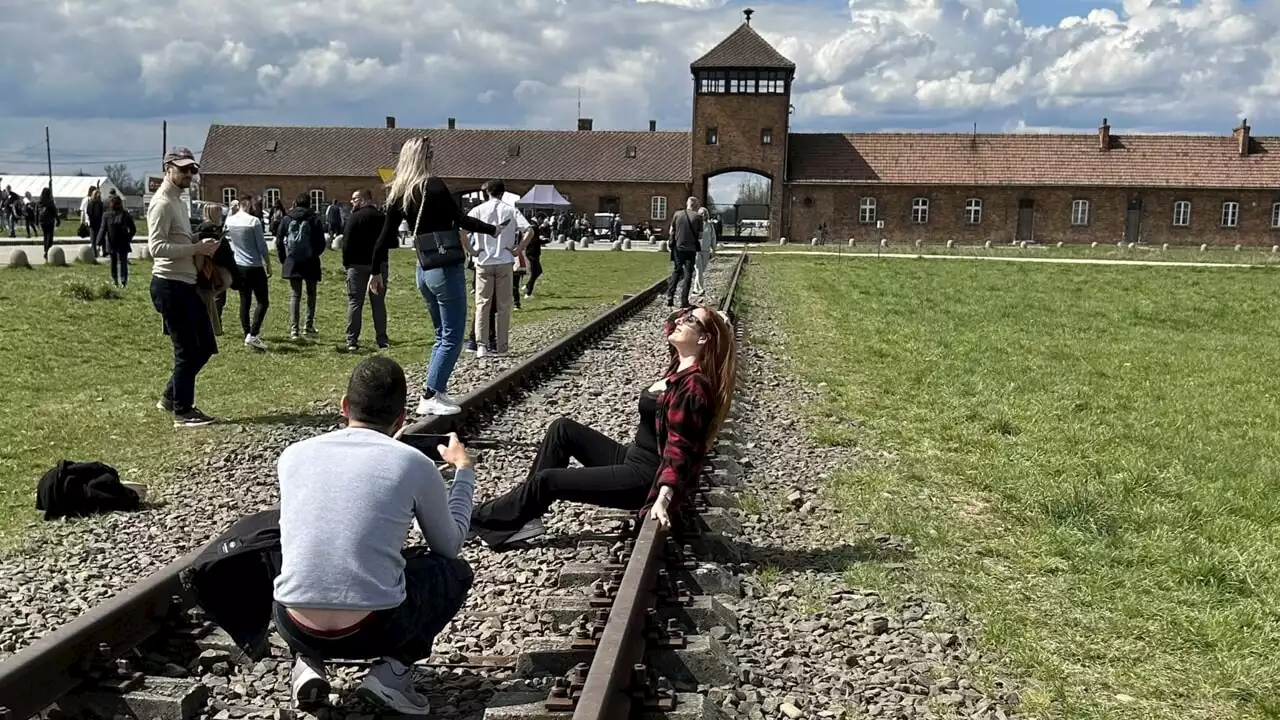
x=308 y=269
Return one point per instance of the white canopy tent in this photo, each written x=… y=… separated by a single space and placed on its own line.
x=68 y=190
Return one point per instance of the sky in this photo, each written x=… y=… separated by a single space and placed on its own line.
x=105 y=74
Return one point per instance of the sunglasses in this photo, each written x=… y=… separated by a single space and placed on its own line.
x=692 y=320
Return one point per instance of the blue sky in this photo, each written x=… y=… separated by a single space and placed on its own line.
x=110 y=75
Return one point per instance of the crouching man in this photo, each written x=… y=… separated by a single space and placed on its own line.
x=346 y=590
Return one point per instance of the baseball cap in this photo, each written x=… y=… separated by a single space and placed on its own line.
x=180 y=157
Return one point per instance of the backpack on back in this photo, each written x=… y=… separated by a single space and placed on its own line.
x=297 y=242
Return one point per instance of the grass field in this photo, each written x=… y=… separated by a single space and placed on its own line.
x=1087 y=457
x=82 y=378
x=1152 y=253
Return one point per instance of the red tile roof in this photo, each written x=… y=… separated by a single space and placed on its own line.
x=1033 y=159
x=744 y=48
x=543 y=155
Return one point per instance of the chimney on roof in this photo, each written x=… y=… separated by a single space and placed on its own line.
x=453 y=123
x=391 y=122
x=1104 y=135
x=653 y=126
x=584 y=123
x=1241 y=134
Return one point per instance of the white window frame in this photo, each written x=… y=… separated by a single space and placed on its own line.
x=658 y=207
x=1182 y=213
x=1230 y=214
x=1275 y=216
x=317 y=198
x=919 y=211
x=866 y=210
x=228 y=196
x=973 y=211
x=1079 y=213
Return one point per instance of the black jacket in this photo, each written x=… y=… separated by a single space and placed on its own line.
x=74 y=489
x=439 y=212
x=95 y=211
x=308 y=269
x=361 y=233
x=47 y=213
x=686 y=231
x=116 y=231
x=333 y=218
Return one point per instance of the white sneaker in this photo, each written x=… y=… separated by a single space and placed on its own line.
x=437 y=406
x=254 y=342
x=310 y=686
x=382 y=690
x=482 y=351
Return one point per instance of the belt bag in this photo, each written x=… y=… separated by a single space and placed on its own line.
x=438 y=249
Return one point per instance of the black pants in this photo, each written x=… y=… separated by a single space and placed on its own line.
x=253 y=284
x=99 y=248
x=682 y=274
x=48 y=239
x=435 y=588
x=615 y=476
x=186 y=322
x=535 y=272
x=31 y=226
x=295 y=300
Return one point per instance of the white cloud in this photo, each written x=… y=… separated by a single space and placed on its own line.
x=113 y=69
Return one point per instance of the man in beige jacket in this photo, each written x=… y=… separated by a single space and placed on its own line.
x=173 y=287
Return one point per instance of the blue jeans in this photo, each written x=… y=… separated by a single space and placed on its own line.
x=445 y=290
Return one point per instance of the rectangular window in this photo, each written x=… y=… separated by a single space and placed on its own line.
x=1182 y=213
x=766 y=136
x=1230 y=214
x=1079 y=212
x=658 y=208
x=711 y=82
x=867 y=210
x=773 y=83
x=270 y=197
x=317 y=199
x=1275 y=215
x=920 y=211
x=228 y=195
x=973 y=211
x=631 y=151
x=742 y=82
x=713 y=137
x=513 y=150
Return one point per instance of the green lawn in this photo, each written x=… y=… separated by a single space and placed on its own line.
x=1104 y=251
x=82 y=378
x=1087 y=456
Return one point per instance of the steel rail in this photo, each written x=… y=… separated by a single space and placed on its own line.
x=608 y=690
x=57 y=663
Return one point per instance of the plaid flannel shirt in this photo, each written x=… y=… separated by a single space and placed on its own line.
x=686 y=410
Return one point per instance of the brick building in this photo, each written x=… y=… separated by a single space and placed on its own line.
x=904 y=186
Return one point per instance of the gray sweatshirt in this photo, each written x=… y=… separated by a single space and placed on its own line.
x=347 y=500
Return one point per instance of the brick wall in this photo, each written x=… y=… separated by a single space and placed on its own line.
x=1108 y=207
x=739 y=121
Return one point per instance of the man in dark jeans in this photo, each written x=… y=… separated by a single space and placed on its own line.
x=685 y=230
x=361 y=234
x=346 y=588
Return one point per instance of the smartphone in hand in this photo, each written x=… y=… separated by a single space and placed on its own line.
x=427 y=444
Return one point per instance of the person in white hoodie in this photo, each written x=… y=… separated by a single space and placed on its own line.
x=495 y=257
x=706 y=248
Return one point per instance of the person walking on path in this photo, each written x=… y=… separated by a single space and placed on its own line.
x=685 y=231
x=248 y=239
x=360 y=236
x=495 y=257
x=173 y=288
x=435 y=221
x=116 y=235
x=706 y=248
x=299 y=243
x=533 y=253
x=94 y=210
x=47 y=214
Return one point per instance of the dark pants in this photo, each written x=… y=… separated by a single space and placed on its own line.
x=99 y=248
x=614 y=476
x=295 y=300
x=48 y=239
x=31 y=226
x=681 y=274
x=435 y=588
x=120 y=267
x=357 y=290
x=535 y=272
x=253 y=284
x=186 y=322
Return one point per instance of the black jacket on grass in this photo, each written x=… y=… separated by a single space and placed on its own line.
x=76 y=489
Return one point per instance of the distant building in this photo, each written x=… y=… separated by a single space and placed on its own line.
x=968 y=187
x=68 y=190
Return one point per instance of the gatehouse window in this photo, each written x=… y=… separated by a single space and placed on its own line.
x=658 y=208
x=867 y=210
x=270 y=197
x=1079 y=212
x=742 y=82
x=773 y=82
x=711 y=82
x=766 y=136
x=228 y=195
x=1182 y=213
x=920 y=211
x=317 y=199
x=713 y=136
x=1230 y=214
x=973 y=211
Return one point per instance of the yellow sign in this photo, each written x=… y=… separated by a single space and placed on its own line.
x=386 y=173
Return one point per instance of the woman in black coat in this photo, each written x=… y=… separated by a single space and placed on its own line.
x=115 y=234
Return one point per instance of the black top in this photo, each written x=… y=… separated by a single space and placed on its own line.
x=647 y=432
x=361 y=234
x=686 y=230
x=439 y=212
x=292 y=268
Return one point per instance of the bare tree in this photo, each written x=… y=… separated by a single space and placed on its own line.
x=120 y=176
x=753 y=191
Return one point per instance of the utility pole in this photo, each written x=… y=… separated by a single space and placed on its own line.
x=164 y=142
x=48 y=154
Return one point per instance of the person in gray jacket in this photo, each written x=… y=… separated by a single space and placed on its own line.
x=248 y=239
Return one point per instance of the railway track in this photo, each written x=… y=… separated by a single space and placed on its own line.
x=631 y=615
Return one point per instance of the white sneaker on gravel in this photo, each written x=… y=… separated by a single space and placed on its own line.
x=395 y=692
x=441 y=405
x=310 y=686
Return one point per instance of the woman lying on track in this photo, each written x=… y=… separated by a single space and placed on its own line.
x=680 y=415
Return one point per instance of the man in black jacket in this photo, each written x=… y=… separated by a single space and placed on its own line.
x=361 y=233
x=303 y=267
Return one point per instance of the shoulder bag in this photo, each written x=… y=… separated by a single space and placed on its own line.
x=442 y=248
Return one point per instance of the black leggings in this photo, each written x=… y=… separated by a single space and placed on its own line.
x=615 y=476
x=535 y=272
x=253 y=284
